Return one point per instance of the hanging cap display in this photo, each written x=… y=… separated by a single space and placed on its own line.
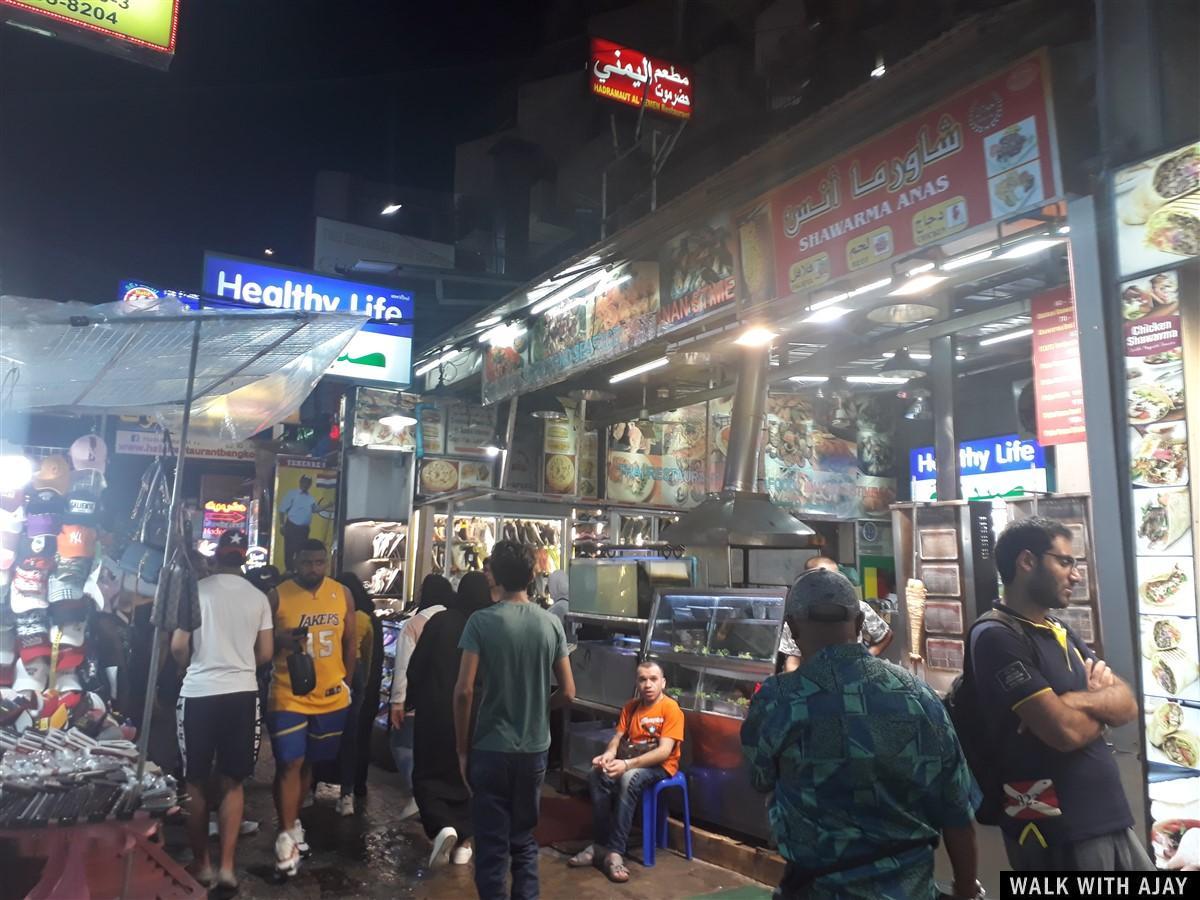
x=54 y=475
x=89 y=452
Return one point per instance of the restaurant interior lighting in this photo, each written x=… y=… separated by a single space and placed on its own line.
x=756 y=336
x=969 y=260
x=396 y=421
x=268 y=251
x=828 y=301
x=1007 y=336
x=918 y=284
x=1064 y=229
x=919 y=269
x=880 y=69
x=872 y=286
x=902 y=365
x=919 y=409
x=639 y=370
x=809 y=379
x=503 y=335
x=1028 y=248
x=430 y=365
x=391 y=209
x=877 y=379
x=491 y=450
x=828 y=314
x=489 y=321
x=568 y=290
x=914 y=354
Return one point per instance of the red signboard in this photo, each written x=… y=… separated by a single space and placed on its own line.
x=987 y=153
x=632 y=78
x=1057 y=380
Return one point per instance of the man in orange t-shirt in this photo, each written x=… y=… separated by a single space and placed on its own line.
x=644 y=749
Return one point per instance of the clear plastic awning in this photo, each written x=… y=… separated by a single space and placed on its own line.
x=253 y=368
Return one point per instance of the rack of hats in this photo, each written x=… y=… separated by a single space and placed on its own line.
x=48 y=563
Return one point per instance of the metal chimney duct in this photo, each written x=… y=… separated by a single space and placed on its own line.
x=739 y=515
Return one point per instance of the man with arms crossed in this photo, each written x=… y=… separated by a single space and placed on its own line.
x=875 y=633
x=317 y=613
x=217 y=711
x=512 y=646
x=862 y=763
x=1048 y=700
x=651 y=725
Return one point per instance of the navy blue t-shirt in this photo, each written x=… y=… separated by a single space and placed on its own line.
x=1066 y=797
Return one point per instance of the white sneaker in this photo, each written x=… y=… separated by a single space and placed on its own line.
x=345 y=805
x=248 y=826
x=445 y=839
x=287 y=854
x=460 y=856
x=297 y=835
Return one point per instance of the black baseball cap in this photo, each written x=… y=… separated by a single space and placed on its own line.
x=822 y=596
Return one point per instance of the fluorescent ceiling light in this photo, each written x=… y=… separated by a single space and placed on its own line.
x=917 y=355
x=876 y=379
x=568 y=290
x=489 y=321
x=1065 y=229
x=879 y=71
x=828 y=301
x=502 y=335
x=1028 y=248
x=828 y=314
x=923 y=267
x=639 y=370
x=809 y=379
x=918 y=285
x=867 y=288
x=391 y=209
x=756 y=336
x=969 y=260
x=960 y=356
x=430 y=365
x=1007 y=336
x=397 y=421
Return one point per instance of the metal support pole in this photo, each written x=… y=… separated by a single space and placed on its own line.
x=506 y=452
x=654 y=170
x=945 y=447
x=168 y=551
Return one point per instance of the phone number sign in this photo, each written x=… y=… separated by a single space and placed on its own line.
x=146 y=23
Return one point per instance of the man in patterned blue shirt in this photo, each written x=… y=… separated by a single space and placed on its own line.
x=864 y=765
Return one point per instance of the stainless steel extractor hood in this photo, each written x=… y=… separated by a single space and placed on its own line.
x=740 y=516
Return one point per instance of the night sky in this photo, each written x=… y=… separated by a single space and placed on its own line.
x=110 y=169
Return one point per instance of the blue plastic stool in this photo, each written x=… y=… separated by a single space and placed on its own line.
x=654 y=818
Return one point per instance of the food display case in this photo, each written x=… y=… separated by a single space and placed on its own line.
x=1074 y=511
x=946 y=578
x=716 y=647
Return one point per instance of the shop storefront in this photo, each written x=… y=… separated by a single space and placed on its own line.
x=918 y=295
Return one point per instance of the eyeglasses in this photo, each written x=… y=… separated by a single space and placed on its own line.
x=1067 y=562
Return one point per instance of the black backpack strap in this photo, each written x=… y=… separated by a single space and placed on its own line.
x=1012 y=623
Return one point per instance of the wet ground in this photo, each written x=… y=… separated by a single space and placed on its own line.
x=374 y=854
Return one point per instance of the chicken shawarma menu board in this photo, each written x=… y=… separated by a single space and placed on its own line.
x=1172 y=734
x=1158 y=210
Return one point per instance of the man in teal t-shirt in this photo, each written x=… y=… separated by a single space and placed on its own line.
x=512 y=647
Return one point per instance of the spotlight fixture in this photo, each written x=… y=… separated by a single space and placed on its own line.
x=756 y=336
x=902 y=365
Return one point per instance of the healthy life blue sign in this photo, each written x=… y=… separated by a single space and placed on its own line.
x=993 y=467
x=381 y=352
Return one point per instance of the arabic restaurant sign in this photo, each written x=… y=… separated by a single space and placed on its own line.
x=380 y=352
x=632 y=78
x=987 y=153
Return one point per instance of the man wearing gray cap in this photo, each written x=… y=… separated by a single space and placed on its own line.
x=863 y=766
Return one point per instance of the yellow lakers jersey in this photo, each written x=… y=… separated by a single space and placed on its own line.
x=323 y=613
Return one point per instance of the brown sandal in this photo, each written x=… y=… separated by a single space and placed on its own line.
x=615 y=871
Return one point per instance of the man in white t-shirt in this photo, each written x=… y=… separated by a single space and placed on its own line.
x=218 y=703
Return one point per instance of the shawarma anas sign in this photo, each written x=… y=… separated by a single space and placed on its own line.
x=146 y=23
x=380 y=352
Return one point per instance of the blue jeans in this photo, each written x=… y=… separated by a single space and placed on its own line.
x=506 y=793
x=400 y=741
x=615 y=803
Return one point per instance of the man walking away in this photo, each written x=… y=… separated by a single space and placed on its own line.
x=217 y=711
x=512 y=646
x=316 y=614
x=1047 y=700
x=644 y=750
x=863 y=763
x=296 y=511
